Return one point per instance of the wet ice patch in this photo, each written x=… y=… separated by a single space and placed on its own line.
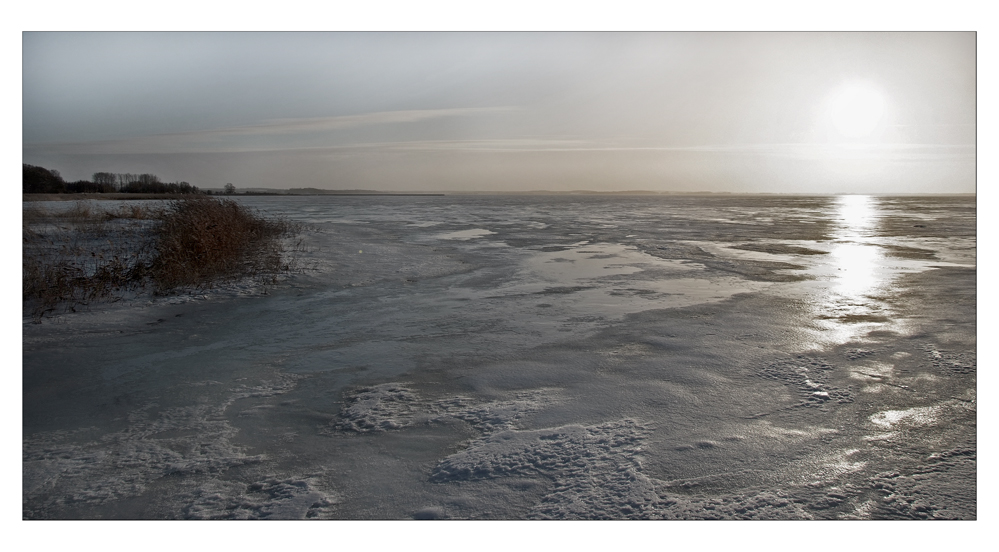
x=464 y=235
x=615 y=279
x=596 y=469
x=754 y=252
x=595 y=261
x=379 y=408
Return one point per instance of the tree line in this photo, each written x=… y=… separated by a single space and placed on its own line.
x=39 y=180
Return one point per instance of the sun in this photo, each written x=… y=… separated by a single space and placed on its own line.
x=856 y=110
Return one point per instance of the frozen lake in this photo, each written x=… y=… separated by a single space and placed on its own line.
x=479 y=357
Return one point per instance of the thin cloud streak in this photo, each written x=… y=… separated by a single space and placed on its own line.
x=847 y=150
x=319 y=124
x=150 y=145
x=201 y=140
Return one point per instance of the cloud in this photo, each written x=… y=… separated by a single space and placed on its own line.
x=801 y=151
x=819 y=151
x=320 y=124
x=300 y=136
x=229 y=139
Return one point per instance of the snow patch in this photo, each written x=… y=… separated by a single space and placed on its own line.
x=60 y=469
x=496 y=415
x=597 y=469
x=919 y=416
x=379 y=408
x=63 y=469
x=394 y=406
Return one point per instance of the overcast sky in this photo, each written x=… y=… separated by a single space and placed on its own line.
x=738 y=112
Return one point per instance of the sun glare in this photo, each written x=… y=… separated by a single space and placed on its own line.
x=856 y=109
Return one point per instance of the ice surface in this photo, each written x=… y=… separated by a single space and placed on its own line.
x=510 y=357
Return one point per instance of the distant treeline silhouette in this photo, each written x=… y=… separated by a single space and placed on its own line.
x=39 y=180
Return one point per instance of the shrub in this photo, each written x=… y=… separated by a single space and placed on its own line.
x=203 y=240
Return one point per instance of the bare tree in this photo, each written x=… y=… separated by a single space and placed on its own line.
x=105 y=181
x=230 y=189
x=104 y=178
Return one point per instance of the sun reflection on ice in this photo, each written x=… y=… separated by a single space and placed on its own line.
x=855 y=272
x=856 y=265
x=853 y=255
x=857 y=215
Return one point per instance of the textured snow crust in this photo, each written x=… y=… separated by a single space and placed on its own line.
x=270 y=498
x=596 y=468
x=379 y=408
x=125 y=463
x=69 y=469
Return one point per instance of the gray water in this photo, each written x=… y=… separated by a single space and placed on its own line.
x=512 y=357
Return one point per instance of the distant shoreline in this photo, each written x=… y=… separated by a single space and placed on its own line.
x=136 y=196
x=127 y=196
x=111 y=196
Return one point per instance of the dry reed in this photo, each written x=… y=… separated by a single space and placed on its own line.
x=202 y=241
x=87 y=254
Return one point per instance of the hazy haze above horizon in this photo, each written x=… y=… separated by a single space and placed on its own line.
x=735 y=112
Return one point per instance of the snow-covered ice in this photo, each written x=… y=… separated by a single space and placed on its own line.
x=532 y=357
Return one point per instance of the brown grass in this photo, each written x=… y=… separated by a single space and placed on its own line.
x=76 y=256
x=86 y=254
